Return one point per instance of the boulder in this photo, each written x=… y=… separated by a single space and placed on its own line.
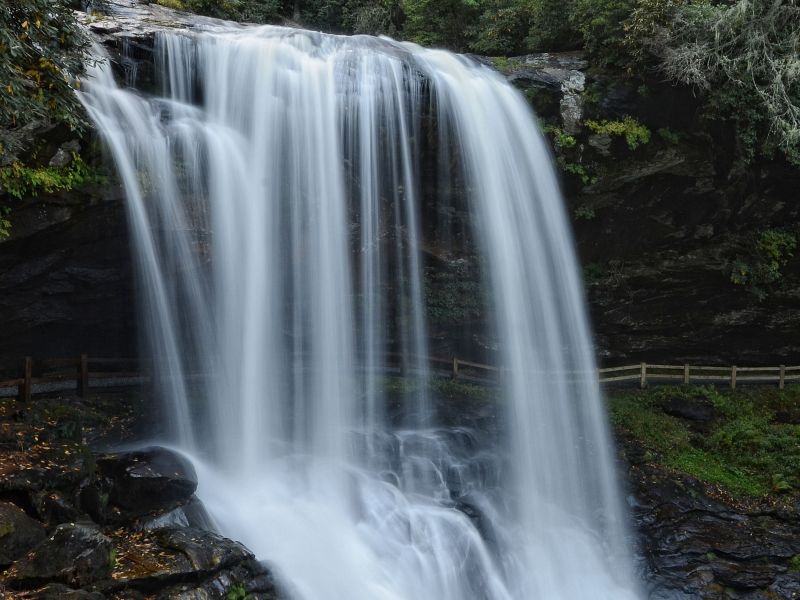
x=18 y=533
x=250 y=578
x=75 y=555
x=698 y=410
x=151 y=561
x=147 y=480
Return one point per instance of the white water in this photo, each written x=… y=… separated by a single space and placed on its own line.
x=274 y=195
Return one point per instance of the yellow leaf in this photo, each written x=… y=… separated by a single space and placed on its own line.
x=25 y=24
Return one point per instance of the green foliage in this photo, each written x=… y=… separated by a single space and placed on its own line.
x=762 y=266
x=585 y=212
x=669 y=136
x=794 y=564
x=5 y=224
x=20 y=181
x=551 y=25
x=500 y=63
x=747 y=450
x=237 y=592
x=441 y=23
x=173 y=4
x=601 y=25
x=576 y=169
x=42 y=49
x=644 y=25
x=745 y=56
x=633 y=131
x=501 y=28
x=560 y=138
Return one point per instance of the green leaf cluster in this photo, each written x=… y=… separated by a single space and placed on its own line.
x=762 y=266
x=21 y=181
x=633 y=131
x=42 y=51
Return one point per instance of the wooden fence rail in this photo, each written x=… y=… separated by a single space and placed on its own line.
x=682 y=374
x=82 y=370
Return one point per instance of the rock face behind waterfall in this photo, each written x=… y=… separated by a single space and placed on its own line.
x=658 y=230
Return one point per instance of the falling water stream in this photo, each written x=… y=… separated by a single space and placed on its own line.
x=274 y=191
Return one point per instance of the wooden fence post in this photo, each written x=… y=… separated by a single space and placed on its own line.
x=643 y=380
x=27 y=384
x=686 y=374
x=83 y=375
x=782 y=377
x=733 y=377
x=455 y=368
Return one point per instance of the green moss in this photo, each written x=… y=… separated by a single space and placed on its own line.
x=237 y=592
x=500 y=63
x=710 y=468
x=794 y=564
x=633 y=131
x=6 y=528
x=747 y=449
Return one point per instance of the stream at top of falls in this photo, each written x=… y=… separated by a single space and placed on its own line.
x=275 y=184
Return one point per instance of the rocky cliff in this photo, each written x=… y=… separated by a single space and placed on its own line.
x=662 y=225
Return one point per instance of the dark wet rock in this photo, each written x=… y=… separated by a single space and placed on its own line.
x=66 y=281
x=18 y=533
x=57 y=591
x=147 y=480
x=75 y=555
x=154 y=560
x=698 y=547
x=700 y=411
x=250 y=577
x=192 y=514
x=206 y=551
x=53 y=507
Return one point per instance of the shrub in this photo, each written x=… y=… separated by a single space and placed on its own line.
x=633 y=131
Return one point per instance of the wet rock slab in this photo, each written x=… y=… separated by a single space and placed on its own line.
x=696 y=546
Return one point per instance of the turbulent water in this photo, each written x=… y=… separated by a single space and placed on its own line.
x=274 y=186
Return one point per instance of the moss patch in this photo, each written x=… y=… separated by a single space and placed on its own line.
x=751 y=448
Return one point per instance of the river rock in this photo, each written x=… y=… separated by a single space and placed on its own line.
x=18 y=533
x=699 y=411
x=147 y=480
x=75 y=554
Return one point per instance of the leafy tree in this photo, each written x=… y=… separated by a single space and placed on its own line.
x=42 y=50
x=601 y=25
x=442 y=23
x=747 y=57
x=502 y=27
x=551 y=26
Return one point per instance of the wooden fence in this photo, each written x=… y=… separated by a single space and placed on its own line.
x=83 y=370
x=676 y=374
x=79 y=369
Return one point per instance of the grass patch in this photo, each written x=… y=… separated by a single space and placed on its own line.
x=750 y=448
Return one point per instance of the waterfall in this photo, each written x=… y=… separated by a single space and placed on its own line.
x=274 y=190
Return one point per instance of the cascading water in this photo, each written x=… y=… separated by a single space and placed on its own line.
x=274 y=198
